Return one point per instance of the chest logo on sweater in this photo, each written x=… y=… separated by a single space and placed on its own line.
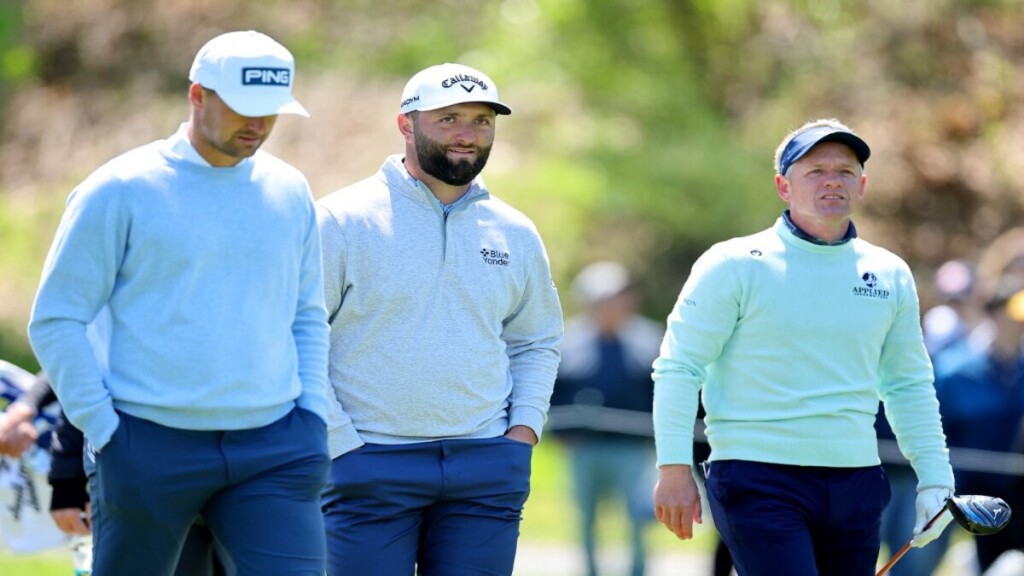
x=494 y=257
x=870 y=288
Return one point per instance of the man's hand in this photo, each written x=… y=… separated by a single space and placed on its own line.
x=930 y=502
x=17 y=434
x=677 y=501
x=522 y=434
x=72 y=521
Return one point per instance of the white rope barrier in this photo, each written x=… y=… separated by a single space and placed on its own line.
x=601 y=419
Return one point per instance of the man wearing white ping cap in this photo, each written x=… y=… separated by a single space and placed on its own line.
x=210 y=399
x=445 y=327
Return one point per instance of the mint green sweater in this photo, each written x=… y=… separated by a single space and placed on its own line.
x=791 y=344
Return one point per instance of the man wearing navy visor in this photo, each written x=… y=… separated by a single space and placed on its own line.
x=790 y=336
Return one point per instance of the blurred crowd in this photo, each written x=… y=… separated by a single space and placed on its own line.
x=973 y=333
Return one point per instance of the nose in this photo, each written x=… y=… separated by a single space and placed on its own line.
x=832 y=178
x=465 y=133
x=256 y=123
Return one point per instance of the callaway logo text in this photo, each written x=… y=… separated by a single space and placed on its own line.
x=460 y=78
x=494 y=257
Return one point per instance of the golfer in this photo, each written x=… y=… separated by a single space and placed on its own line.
x=210 y=401
x=445 y=327
x=791 y=336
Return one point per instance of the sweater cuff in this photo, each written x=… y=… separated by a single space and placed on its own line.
x=69 y=493
x=342 y=440
x=313 y=404
x=527 y=416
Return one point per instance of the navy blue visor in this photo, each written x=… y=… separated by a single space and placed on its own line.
x=802 y=143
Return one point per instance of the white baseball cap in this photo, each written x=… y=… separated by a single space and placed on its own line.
x=251 y=72
x=600 y=281
x=448 y=84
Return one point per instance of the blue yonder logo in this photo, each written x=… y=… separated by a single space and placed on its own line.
x=266 y=77
x=495 y=257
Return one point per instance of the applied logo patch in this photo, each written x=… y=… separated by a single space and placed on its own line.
x=870 y=288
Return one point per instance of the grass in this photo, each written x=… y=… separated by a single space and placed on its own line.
x=550 y=516
x=51 y=563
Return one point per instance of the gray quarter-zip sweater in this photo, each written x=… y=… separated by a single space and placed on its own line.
x=443 y=325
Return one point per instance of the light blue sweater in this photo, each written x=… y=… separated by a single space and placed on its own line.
x=213 y=281
x=791 y=345
x=442 y=326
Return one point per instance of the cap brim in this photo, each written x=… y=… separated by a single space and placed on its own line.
x=805 y=141
x=497 y=106
x=859 y=147
x=500 y=108
x=255 y=106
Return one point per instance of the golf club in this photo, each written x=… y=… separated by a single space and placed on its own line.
x=980 y=515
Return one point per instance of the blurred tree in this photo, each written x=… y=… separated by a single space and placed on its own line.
x=15 y=55
x=644 y=129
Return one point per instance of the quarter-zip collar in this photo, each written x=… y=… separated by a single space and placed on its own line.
x=395 y=173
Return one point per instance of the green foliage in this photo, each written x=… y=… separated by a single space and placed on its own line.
x=643 y=131
x=24 y=239
x=15 y=56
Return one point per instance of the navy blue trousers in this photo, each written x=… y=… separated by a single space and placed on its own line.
x=258 y=490
x=780 y=520
x=448 y=507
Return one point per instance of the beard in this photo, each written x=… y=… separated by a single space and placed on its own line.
x=231 y=146
x=434 y=161
x=236 y=151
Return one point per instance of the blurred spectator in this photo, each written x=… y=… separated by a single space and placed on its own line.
x=25 y=525
x=981 y=398
x=955 y=314
x=1003 y=257
x=18 y=431
x=605 y=375
x=69 y=499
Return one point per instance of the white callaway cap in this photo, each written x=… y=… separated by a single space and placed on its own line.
x=448 y=84
x=251 y=72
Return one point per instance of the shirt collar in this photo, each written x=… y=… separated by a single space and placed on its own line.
x=475 y=188
x=851 y=232
x=182 y=147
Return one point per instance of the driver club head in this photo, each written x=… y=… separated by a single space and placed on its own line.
x=979 y=514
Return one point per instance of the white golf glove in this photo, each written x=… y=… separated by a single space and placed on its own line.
x=930 y=502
